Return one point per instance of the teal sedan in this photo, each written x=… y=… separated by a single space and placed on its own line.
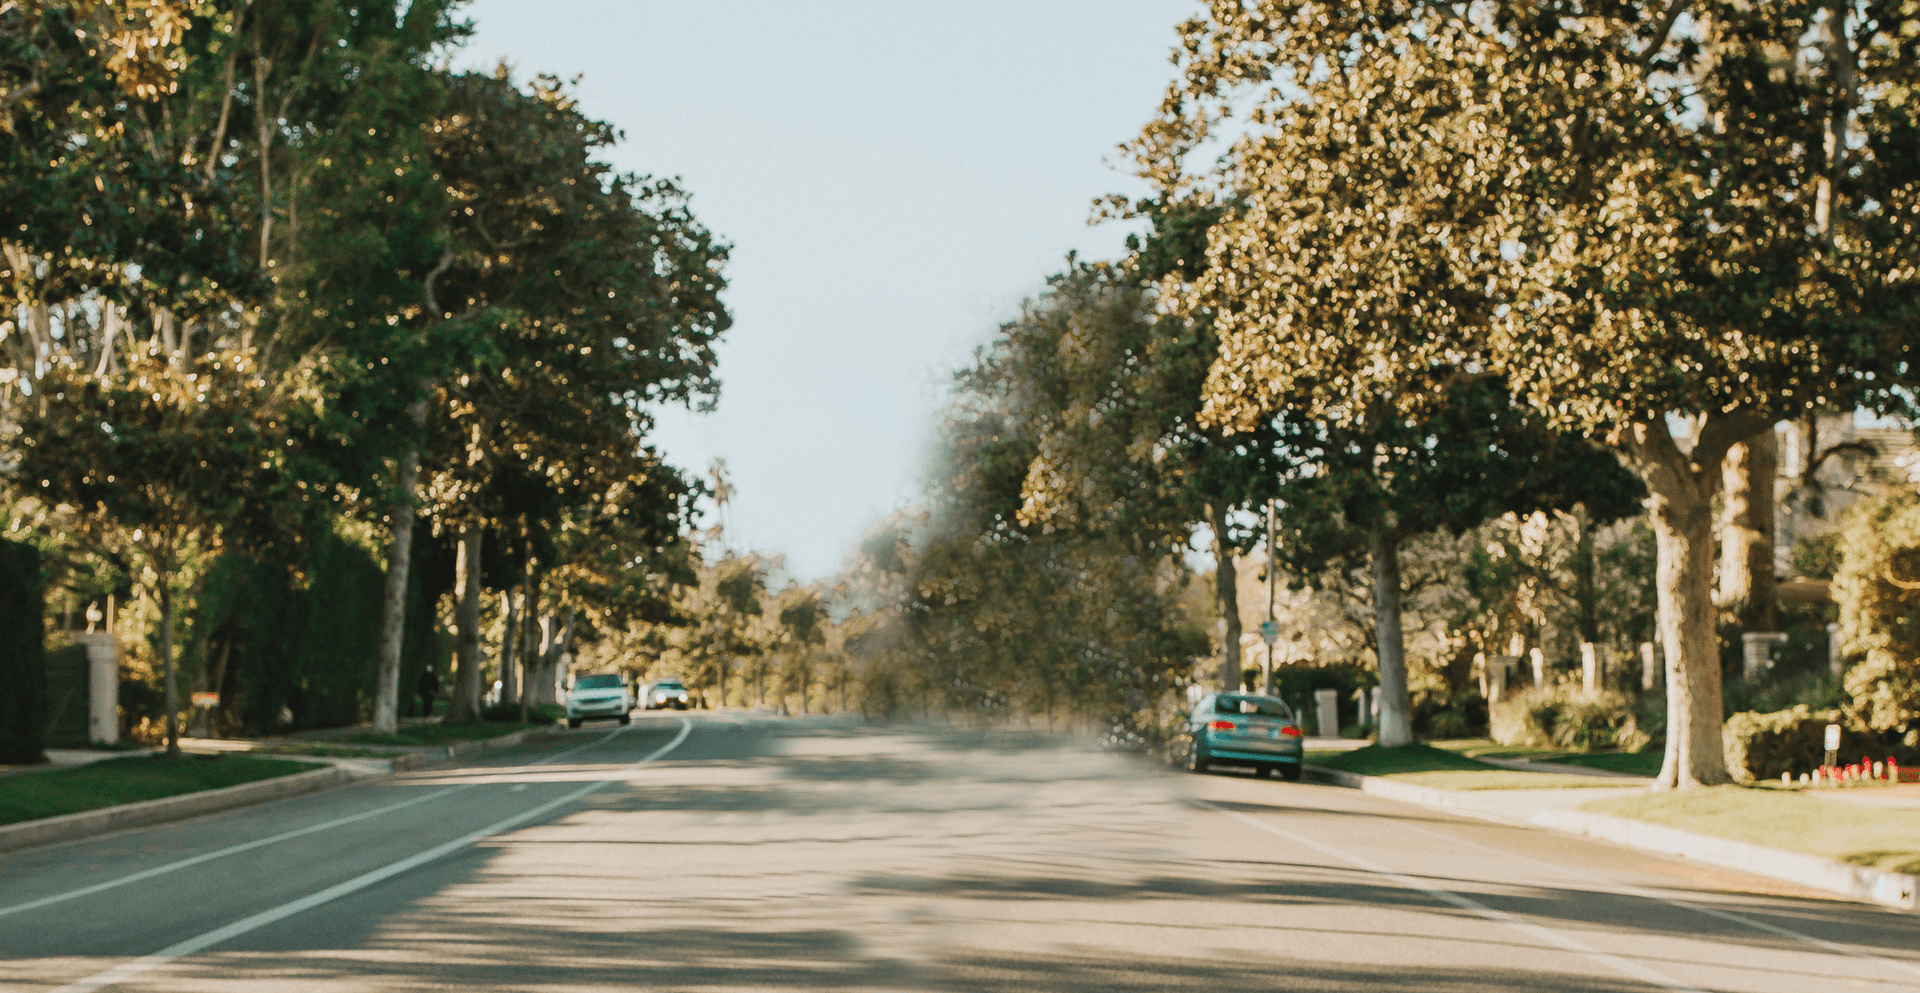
x=1243 y=729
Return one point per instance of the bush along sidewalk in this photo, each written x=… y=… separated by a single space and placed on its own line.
x=1763 y=747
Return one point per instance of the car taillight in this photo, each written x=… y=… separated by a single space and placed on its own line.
x=1290 y=731
x=1221 y=726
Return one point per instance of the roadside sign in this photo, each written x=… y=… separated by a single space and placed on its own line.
x=1269 y=632
x=1833 y=737
x=206 y=699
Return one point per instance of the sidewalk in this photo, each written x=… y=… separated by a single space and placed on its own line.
x=1557 y=810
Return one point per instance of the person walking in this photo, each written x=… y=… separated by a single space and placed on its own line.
x=429 y=687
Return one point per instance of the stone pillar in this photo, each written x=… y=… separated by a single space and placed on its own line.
x=1649 y=667
x=1501 y=674
x=1836 y=663
x=103 y=686
x=1539 y=667
x=1326 y=705
x=1373 y=706
x=1756 y=652
x=1593 y=669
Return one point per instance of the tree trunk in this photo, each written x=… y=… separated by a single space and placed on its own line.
x=465 y=705
x=1746 y=534
x=166 y=659
x=1586 y=593
x=1681 y=487
x=558 y=634
x=393 y=608
x=509 y=648
x=1396 y=723
x=1226 y=591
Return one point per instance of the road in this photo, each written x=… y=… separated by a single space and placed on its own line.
x=723 y=853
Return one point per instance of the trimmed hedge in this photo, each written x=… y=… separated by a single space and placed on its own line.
x=23 y=655
x=1762 y=746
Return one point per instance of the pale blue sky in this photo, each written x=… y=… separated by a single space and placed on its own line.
x=895 y=178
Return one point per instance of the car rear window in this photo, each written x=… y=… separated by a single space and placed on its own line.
x=597 y=683
x=669 y=684
x=1264 y=706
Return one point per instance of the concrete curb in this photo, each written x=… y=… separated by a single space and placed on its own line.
x=1425 y=796
x=1891 y=889
x=68 y=827
x=106 y=820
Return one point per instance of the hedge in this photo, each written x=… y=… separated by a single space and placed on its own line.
x=1762 y=746
x=23 y=655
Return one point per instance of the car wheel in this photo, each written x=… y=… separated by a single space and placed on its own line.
x=574 y=722
x=626 y=718
x=1196 y=760
x=1290 y=773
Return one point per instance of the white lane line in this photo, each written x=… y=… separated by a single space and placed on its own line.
x=1616 y=963
x=1628 y=889
x=276 y=839
x=147 y=963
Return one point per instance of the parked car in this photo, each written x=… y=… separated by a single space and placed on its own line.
x=1243 y=729
x=598 y=697
x=663 y=693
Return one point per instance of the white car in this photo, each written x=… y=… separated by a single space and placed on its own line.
x=663 y=693
x=599 y=697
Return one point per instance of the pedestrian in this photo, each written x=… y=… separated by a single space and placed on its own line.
x=429 y=688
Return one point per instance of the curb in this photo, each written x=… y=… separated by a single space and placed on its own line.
x=1891 y=889
x=68 y=827
x=1387 y=789
x=86 y=824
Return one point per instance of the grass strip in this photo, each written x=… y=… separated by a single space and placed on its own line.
x=1422 y=764
x=1646 y=763
x=112 y=782
x=1374 y=760
x=1876 y=838
x=1643 y=763
x=418 y=735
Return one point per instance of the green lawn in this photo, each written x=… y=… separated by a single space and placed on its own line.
x=437 y=734
x=1445 y=769
x=1881 y=839
x=1643 y=763
x=32 y=795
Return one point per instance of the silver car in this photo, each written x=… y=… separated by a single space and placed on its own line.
x=599 y=697
x=663 y=693
x=1243 y=729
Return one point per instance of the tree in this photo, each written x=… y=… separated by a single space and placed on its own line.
x=1638 y=222
x=1109 y=391
x=1358 y=492
x=172 y=465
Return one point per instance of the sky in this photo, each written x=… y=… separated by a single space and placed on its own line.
x=895 y=178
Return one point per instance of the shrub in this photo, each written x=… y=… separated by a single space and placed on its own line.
x=1762 y=746
x=1449 y=723
x=23 y=655
x=1879 y=619
x=1565 y=717
x=509 y=713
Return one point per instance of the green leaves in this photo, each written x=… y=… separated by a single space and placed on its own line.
x=167 y=454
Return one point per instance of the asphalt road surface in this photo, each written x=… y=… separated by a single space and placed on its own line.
x=723 y=853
